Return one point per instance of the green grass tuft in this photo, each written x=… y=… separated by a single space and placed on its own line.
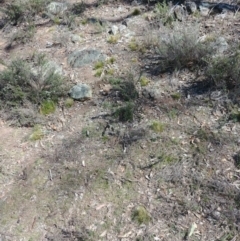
x=141 y=216
x=157 y=126
x=47 y=107
x=37 y=133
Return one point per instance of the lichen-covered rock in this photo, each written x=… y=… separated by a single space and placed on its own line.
x=81 y=92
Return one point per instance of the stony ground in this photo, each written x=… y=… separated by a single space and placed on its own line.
x=93 y=177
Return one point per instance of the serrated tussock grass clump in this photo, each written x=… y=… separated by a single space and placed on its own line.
x=127 y=90
x=37 y=133
x=144 y=81
x=125 y=113
x=162 y=13
x=18 y=11
x=224 y=71
x=140 y=215
x=47 y=107
x=37 y=82
x=69 y=102
x=180 y=48
x=157 y=126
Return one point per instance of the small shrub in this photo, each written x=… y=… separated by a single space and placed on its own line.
x=127 y=90
x=162 y=12
x=157 y=126
x=35 y=82
x=22 y=36
x=17 y=12
x=125 y=113
x=141 y=216
x=78 y=8
x=14 y=13
x=69 y=102
x=47 y=107
x=180 y=48
x=224 y=71
x=36 y=6
x=115 y=81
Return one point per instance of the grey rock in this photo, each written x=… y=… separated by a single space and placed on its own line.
x=152 y=93
x=75 y=38
x=179 y=13
x=55 y=8
x=51 y=68
x=122 y=28
x=204 y=11
x=114 y=29
x=81 y=92
x=79 y=58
